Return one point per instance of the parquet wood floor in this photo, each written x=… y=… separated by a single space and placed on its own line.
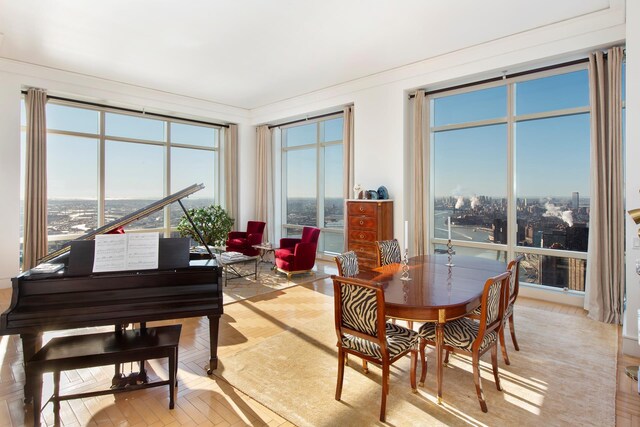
x=203 y=400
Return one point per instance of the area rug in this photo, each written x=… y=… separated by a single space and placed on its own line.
x=268 y=280
x=564 y=374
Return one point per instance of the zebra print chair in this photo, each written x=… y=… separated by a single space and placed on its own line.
x=473 y=337
x=363 y=332
x=388 y=252
x=347 y=264
x=511 y=296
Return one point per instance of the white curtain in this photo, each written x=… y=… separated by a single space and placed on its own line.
x=35 y=197
x=605 y=260
x=419 y=173
x=231 y=172
x=264 y=180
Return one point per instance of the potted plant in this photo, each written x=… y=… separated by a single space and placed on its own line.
x=213 y=222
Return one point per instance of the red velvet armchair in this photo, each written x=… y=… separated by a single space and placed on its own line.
x=298 y=255
x=242 y=241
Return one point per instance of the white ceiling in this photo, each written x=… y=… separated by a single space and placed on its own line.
x=250 y=53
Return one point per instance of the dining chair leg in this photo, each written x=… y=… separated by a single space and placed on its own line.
x=446 y=358
x=503 y=346
x=410 y=324
x=513 y=333
x=365 y=368
x=341 y=362
x=414 y=364
x=423 y=375
x=477 y=381
x=385 y=391
x=494 y=365
x=423 y=363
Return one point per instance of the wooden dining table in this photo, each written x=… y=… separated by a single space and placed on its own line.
x=435 y=292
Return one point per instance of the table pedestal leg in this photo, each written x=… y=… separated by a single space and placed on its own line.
x=439 y=361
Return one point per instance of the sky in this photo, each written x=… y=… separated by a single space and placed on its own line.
x=132 y=170
x=551 y=154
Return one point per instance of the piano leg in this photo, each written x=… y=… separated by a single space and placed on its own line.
x=214 y=322
x=31 y=343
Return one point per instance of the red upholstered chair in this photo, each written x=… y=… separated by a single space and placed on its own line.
x=242 y=241
x=298 y=255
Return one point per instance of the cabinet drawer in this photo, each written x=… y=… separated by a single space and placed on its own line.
x=362 y=221
x=368 y=209
x=362 y=236
x=363 y=250
x=367 y=263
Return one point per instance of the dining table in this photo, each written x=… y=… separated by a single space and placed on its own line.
x=434 y=288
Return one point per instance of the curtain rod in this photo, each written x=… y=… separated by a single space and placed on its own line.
x=305 y=119
x=130 y=110
x=506 y=76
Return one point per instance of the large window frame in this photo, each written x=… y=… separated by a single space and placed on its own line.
x=166 y=144
x=319 y=146
x=511 y=248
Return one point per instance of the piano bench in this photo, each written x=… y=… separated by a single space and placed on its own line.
x=109 y=348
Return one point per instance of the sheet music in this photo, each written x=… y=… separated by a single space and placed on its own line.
x=142 y=251
x=118 y=252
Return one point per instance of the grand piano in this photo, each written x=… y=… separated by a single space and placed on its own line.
x=68 y=299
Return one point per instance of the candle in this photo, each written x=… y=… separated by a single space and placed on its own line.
x=449 y=227
x=406 y=235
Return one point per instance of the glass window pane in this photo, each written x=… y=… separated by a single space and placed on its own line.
x=331 y=130
x=301 y=182
x=63 y=117
x=481 y=253
x=333 y=243
x=558 y=92
x=134 y=127
x=552 y=182
x=300 y=135
x=470 y=106
x=72 y=186
x=470 y=172
x=133 y=179
x=190 y=166
x=558 y=272
x=333 y=201
x=201 y=136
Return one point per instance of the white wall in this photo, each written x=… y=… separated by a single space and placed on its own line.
x=632 y=178
x=16 y=76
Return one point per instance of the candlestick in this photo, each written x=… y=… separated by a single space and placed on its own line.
x=406 y=235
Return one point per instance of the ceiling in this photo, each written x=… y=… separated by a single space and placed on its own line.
x=251 y=53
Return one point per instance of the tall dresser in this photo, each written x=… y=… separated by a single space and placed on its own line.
x=368 y=221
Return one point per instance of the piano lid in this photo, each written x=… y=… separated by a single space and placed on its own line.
x=127 y=219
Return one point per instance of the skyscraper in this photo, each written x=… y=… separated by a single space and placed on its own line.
x=575 y=200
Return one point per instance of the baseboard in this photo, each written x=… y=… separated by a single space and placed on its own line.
x=547 y=293
x=630 y=346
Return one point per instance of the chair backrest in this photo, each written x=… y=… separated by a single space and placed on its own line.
x=310 y=235
x=255 y=227
x=514 y=281
x=359 y=310
x=347 y=264
x=388 y=252
x=493 y=305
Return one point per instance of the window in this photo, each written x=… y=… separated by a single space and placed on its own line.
x=96 y=174
x=312 y=181
x=510 y=166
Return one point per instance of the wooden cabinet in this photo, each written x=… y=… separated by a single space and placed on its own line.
x=368 y=221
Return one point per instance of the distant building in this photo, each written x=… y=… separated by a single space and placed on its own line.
x=575 y=200
x=578 y=237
